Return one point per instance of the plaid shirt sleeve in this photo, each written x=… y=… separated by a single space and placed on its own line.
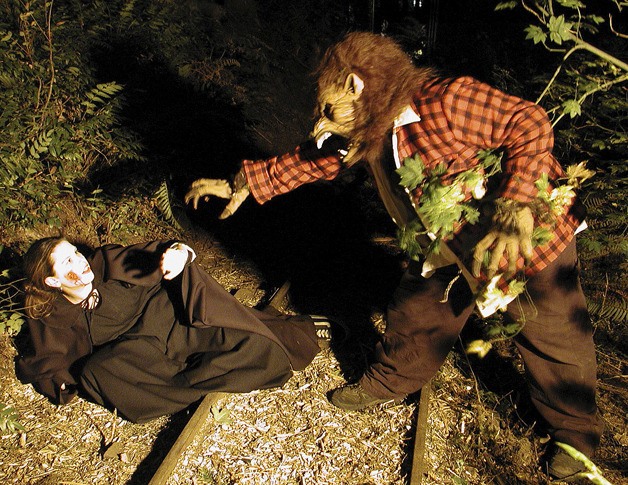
x=281 y=174
x=481 y=117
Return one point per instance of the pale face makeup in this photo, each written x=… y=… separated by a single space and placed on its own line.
x=71 y=271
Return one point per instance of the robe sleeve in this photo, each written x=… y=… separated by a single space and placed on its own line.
x=138 y=264
x=57 y=345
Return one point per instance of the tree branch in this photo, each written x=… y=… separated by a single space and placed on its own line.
x=598 y=52
x=600 y=87
x=557 y=71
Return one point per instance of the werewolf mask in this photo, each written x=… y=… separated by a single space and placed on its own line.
x=336 y=112
x=364 y=82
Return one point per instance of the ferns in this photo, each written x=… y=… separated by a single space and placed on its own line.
x=615 y=311
x=211 y=73
x=99 y=96
x=162 y=198
x=57 y=123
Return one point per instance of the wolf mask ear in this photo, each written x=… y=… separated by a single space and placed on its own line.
x=354 y=85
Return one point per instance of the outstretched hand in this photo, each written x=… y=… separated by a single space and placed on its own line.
x=510 y=236
x=204 y=188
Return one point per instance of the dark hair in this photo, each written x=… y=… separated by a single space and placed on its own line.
x=37 y=267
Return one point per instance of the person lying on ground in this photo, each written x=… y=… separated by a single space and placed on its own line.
x=143 y=329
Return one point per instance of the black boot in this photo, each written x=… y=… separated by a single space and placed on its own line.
x=562 y=466
x=353 y=398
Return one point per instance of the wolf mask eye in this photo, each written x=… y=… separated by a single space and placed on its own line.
x=328 y=112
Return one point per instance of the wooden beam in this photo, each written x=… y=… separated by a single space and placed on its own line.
x=191 y=429
x=418 y=455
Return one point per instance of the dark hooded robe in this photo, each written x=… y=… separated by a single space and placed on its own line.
x=151 y=347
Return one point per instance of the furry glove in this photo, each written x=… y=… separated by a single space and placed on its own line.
x=236 y=192
x=510 y=235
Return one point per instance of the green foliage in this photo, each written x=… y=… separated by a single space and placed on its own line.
x=442 y=207
x=202 y=43
x=9 y=420
x=162 y=198
x=58 y=123
x=221 y=415
x=212 y=477
x=559 y=29
x=603 y=247
x=585 y=98
x=561 y=26
x=11 y=322
x=122 y=219
x=407 y=237
x=411 y=173
x=498 y=328
x=11 y=318
x=612 y=310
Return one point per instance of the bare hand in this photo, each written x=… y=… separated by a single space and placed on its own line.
x=173 y=261
x=220 y=188
x=511 y=237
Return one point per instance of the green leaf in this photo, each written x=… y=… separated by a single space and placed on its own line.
x=470 y=178
x=516 y=287
x=575 y=4
x=412 y=172
x=471 y=214
x=479 y=347
x=572 y=108
x=8 y=419
x=407 y=237
x=505 y=6
x=541 y=236
x=221 y=416
x=542 y=184
x=535 y=33
x=491 y=160
x=596 y=19
x=559 y=29
x=512 y=329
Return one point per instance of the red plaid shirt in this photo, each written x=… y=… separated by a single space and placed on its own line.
x=458 y=118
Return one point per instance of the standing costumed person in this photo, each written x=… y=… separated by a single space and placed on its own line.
x=144 y=330
x=467 y=173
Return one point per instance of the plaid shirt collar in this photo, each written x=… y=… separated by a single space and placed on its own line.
x=407 y=116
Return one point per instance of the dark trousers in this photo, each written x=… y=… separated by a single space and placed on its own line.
x=556 y=343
